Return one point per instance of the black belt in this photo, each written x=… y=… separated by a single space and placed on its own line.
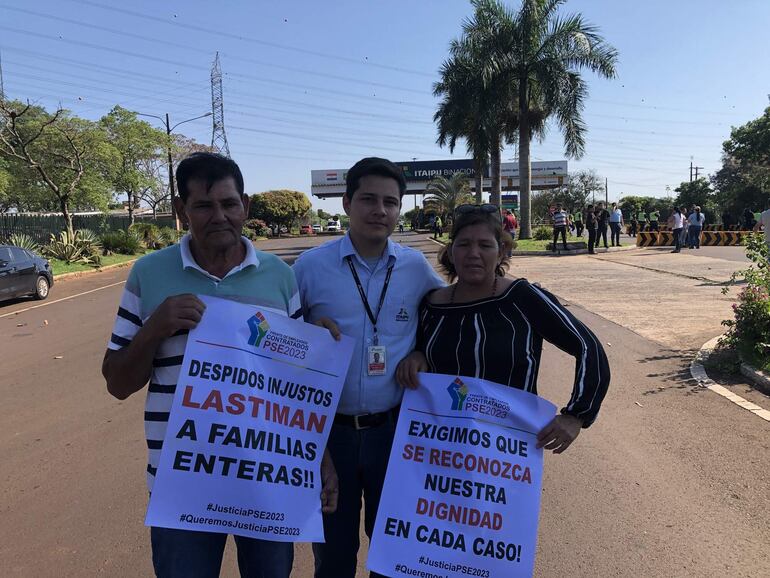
x=367 y=420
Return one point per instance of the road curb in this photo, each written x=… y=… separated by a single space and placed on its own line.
x=760 y=379
x=698 y=372
x=61 y=276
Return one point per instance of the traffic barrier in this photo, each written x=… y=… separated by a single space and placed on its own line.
x=646 y=239
x=665 y=239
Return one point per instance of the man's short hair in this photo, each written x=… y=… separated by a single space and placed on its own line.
x=209 y=168
x=373 y=166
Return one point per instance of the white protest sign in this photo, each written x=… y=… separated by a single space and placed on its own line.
x=252 y=411
x=462 y=492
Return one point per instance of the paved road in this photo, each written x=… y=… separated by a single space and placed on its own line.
x=671 y=481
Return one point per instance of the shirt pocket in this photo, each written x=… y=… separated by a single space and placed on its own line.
x=398 y=316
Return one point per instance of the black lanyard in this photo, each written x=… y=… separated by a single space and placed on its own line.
x=372 y=317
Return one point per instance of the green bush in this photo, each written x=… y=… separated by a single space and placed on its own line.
x=254 y=228
x=542 y=234
x=25 y=242
x=123 y=242
x=83 y=247
x=169 y=236
x=149 y=234
x=749 y=331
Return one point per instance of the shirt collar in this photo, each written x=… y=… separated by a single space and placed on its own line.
x=188 y=261
x=347 y=249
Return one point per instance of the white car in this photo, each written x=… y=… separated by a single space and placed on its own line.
x=333 y=226
x=317 y=228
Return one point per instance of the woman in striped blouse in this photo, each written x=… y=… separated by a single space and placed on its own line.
x=489 y=326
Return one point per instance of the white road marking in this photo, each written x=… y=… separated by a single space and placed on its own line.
x=60 y=300
x=698 y=373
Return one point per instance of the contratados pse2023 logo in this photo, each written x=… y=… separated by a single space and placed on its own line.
x=463 y=399
x=262 y=337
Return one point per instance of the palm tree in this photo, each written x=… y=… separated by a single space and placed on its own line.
x=479 y=112
x=541 y=54
x=460 y=114
x=448 y=193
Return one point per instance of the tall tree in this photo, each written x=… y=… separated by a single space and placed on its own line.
x=279 y=208
x=69 y=155
x=476 y=108
x=137 y=143
x=541 y=53
x=448 y=193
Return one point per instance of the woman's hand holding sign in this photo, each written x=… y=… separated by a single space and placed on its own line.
x=559 y=433
x=406 y=372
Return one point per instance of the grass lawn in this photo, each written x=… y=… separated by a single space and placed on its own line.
x=534 y=245
x=60 y=267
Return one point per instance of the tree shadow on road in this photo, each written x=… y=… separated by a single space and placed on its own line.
x=679 y=379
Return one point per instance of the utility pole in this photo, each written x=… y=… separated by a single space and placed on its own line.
x=690 y=171
x=696 y=171
x=2 y=90
x=169 y=142
x=606 y=193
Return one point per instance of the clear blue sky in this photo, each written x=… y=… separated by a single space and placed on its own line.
x=316 y=85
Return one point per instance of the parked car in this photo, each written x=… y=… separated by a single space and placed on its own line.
x=23 y=273
x=317 y=228
x=333 y=226
x=306 y=230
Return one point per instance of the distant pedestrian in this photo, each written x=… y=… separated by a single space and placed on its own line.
x=676 y=222
x=764 y=223
x=748 y=220
x=696 y=219
x=577 y=219
x=560 y=221
x=727 y=221
x=616 y=224
x=590 y=222
x=641 y=218
x=654 y=216
x=438 y=227
x=602 y=220
x=509 y=223
x=634 y=226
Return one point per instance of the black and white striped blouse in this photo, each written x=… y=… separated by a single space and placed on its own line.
x=500 y=339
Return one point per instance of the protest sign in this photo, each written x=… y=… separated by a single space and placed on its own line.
x=462 y=492
x=252 y=411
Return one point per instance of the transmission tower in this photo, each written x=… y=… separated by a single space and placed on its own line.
x=218 y=135
x=2 y=90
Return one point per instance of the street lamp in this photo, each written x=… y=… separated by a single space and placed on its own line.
x=169 y=130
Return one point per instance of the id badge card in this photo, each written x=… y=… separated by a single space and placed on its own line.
x=376 y=360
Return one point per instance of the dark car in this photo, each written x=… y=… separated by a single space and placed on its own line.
x=23 y=273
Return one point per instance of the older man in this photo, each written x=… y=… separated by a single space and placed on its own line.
x=157 y=310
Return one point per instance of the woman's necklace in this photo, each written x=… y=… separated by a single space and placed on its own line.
x=454 y=290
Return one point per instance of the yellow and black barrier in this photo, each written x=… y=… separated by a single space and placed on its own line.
x=646 y=239
x=665 y=238
x=722 y=238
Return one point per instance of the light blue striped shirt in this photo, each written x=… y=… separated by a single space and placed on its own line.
x=327 y=289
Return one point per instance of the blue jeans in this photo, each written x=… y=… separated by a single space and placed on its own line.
x=188 y=554
x=361 y=459
x=694 y=233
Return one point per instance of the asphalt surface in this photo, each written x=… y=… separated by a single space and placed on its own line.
x=670 y=481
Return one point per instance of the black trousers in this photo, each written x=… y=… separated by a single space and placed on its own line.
x=578 y=229
x=602 y=233
x=591 y=239
x=560 y=231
